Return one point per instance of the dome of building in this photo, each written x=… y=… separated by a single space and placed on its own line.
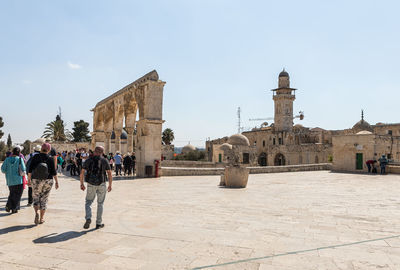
x=188 y=148
x=124 y=135
x=225 y=146
x=283 y=73
x=364 y=132
x=238 y=139
x=362 y=125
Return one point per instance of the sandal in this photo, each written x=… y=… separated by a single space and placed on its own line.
x=36 y=218
x=41 y=222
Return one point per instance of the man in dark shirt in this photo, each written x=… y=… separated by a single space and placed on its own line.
x=97 y=169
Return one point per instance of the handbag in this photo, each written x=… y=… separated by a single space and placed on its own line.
x=21 y=172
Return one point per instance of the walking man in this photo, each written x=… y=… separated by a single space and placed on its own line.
x=118 y=163
x=97 y=170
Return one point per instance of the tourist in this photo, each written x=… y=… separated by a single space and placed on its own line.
x=41 y=173
x=127 y=164
x=36 y=150
x=118 y=163
x=97 y=170
x=60 y=162
x=369 y=164
x=111 y=160
x=383 y=161
x=14 y=168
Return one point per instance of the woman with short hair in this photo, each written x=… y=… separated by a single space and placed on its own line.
x=13 y=167
x=42 y=170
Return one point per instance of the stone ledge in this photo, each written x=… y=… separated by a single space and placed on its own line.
x=180 y=171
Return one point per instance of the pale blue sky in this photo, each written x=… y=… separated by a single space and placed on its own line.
x=214 y=55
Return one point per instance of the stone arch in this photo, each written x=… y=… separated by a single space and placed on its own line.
x=279 y=160
x=263 y=159
x=137 y=106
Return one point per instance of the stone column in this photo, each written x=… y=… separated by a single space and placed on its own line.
x=130 y=131
x=149 y=144
x=107 y=142
x=118 y=140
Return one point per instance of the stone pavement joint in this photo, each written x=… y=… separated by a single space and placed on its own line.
x=296 y=252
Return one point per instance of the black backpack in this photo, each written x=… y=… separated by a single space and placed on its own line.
x=41 y=171
x=94 y=174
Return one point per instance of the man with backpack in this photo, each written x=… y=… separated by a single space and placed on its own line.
x=97 y=170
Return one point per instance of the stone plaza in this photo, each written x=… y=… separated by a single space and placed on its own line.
x=294 y=220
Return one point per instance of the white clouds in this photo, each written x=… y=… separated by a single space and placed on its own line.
x=73 y=66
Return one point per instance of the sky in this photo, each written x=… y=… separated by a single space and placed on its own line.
x=215 y=56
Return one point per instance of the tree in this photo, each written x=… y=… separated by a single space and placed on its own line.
x=26 y=145
x=1 y=125
x=56 y=131
x=9 y=142
x=81 y=131
x=167 y=136
x=2 y=150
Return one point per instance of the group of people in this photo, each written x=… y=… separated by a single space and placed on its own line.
x=38 y=171
x=372 y=164
x=73 y=162
x=126 y=162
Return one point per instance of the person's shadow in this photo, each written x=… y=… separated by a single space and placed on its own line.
x=55 y=238
x=15 y=228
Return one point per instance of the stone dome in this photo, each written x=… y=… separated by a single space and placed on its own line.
x=362 y=125
x=124 y=135
x=364 y=132
x=283 y=73
x=225 y=146
x=188 y=148
x=238 y=139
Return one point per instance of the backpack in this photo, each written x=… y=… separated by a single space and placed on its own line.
x=94 y=174
x=41 y=171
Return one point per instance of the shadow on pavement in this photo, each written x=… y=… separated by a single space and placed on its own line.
x=65 y=236
x=15 y=228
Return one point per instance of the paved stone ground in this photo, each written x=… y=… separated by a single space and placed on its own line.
x=302 y=220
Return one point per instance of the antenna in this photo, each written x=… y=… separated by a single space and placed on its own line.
x=239 y=122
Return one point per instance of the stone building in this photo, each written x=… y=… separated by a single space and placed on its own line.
x=280 y=143
x=351 y=151
x=115 y=126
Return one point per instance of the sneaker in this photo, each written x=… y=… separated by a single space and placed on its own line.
x=87 y=224
x=29 y=204
x=8 y=209
x=99 y=226
x=14 y=211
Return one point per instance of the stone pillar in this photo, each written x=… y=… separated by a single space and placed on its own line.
x=118 y=140
x=129 y=142
x=94 y=140
x=148 y=144
x=107 y=142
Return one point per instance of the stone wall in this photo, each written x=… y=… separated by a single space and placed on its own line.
x=191 y=164
x=179 y=171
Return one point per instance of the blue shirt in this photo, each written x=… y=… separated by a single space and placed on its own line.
x=10 y=168
x=118 y=159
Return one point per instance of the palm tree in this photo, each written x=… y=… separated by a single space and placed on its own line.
x=56 y=131
x=167 y=136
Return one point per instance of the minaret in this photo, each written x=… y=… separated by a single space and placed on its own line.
x=283 y=98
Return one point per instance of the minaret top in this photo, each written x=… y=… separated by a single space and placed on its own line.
x=283 y=73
